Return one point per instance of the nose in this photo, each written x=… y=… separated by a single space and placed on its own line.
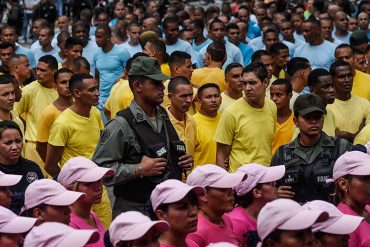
x=192 y=211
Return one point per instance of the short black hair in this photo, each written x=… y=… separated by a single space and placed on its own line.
x=199 y=24
x=62 y=36
x=178 y=58
x=258 y=69
x=61 y=71
x=313 y=21
x=334 y=66
x=217 y=51
x=313 y=77
x=76 y=81
x=80 y=62
x=167 y=21
x=9 y=124
x=205 y=86
x=51 y=30
x=216 y=20
x=50 y=60
x=231 y=26
x=270 y=30
x=79 y=23
x=277 y=47
x=106 y=29
x=176 y=81
x=72 y=41
x=341 y=46
x=6 y=45
x=232 y=66
x=4 y=79
x=158 y=45
x=297 y=63
x=257 y=56
x=285 y=82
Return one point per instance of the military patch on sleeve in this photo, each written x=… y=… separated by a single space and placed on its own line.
x=105 y=135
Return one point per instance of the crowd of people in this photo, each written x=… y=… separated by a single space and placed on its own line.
x=164 y=123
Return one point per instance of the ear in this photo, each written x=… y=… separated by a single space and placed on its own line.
x=161 y=215
x=343 y=184
x=203 y=199
x=170 y=96
x=290 y=95
x=137 y=86
x=266 y=83
x=38 y=214
x=256 y=193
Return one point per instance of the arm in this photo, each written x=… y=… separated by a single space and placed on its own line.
x=53 y=156
x=41 y=148
x=223 y=151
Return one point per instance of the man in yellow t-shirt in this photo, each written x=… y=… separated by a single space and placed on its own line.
x=281 y=93
x=157 y=48
x=180 y=93
x=212 y=72
x=53 y=110
x=76 y=132
x=233 y=79
x=280 y=54
x=207 y=120
x=36 y=96
x=120 y=97
x=351 y=112
x=244 y=133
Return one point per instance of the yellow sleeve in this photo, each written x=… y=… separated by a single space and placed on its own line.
x=363 y=137
x=226 y=128
x=43 y=128
x=24 y=104
x=58 y=134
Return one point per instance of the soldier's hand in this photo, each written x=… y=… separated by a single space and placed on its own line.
x=186 y=162
x=285 y=191
x=153 y=166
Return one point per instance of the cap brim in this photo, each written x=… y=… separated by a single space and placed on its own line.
x=229 y=180
x=345 y=225
x=273 y=173
x=65 y=199
x=10 y=180
x=310 y=109
x=96 y=174
x=158 y=77
x=19 y=225
x=180 y=194
x=80 y=238
x=363 y=170
x=305 y=218
x=141 y=229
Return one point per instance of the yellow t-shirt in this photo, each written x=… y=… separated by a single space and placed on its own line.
x=349 y=114
x=79 y=135
x=207 y=75
x=120 y=97
x=205 y=151
x=48 y=117
x=186 y=130
x=249 y=131
x=35 y=98
x=226 y=101
x=166 y=101
x=361 y=85
x=16 y=119
x=273 y=78
x=165 y=68
x=363 y=137
x=283 y=133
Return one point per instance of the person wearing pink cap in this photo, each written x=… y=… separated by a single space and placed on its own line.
x=82 y=175
x=57 y=234
x=334 y=231
x=251 y=195
x=48 y=201
x=6 y=181
x=214 y=224
x=284 y=223
x=176 y=202
x=351 y=174
x=12 y=226
x=136 y=230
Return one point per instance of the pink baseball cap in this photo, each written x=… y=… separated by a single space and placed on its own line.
x=81 y=169
x=59 y=235
x=12 y=223
x=214 y=176
x=133 y=225
x=257 y=174
x=338 y=223
x=172 y=190
x=353 y=163
x=286 y=214
x=9 y=179
x=50 y=192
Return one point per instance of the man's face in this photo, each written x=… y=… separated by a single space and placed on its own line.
x=185 y=69
x=243 y=15
x=188 y=36
x=297 y=22
x=119 y=11
x=62 y=84
x=343 y=79
x=134 y=34
x=210 y=100
x=217 y=31
x=7 y=97
x=45 y=37
x=310 y=124
x=75 y=51
x=172 y=32
x=103 y=19
x=346 y=55
x=44 y=74
x=268 y=61
x=182 y=98
x=233 y=36
x=63 y=23
x=341 y=21
x=234 y=79
x=89 y=92
x=326 y=29
x=286 y=30
x=153 y=6
x=352 y=24
x=23 y=68
x=278 y=94
x=279 y=19
x=151 y=91
x=310 y=32
x=270 y=39
x=36 y=26
x=101 y=38
x=254 y=88
x=81 y=33
x=9 y=35
x=363 y=21
x=281 y=59
x=5 y=55
x=260 y=14
x=325 y=89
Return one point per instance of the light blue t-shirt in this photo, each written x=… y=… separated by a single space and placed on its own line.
x=253 y=30
x=340 y=40
x=299 y=37
x=110 y=66
x=36 y=44
x=234 y=55
x=247 y=52
x=88 y=52
x=197 y=48
x=28 y=53
x=57 y=56
x=132 y=49
x=38 y=52
x=257 y=43
x=181 y=45
x=320 y=56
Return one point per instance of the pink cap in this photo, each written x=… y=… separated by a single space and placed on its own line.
x=353 y=163
x=50 y=192
x=9 y=179
x=12 y=223
x=285 y=214
x=257 y=174
x=338 y=223
x=133 y=225
x=171 y=191
x=57 y=234
x=214 y=176
x=81 y=169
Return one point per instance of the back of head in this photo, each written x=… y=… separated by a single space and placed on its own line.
x=50 y=60
x=81 y=63
x=313 y=77
x=146 y=36
x=158 y=45
x=62 y=36
x=217 y=51
x=296 y=64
